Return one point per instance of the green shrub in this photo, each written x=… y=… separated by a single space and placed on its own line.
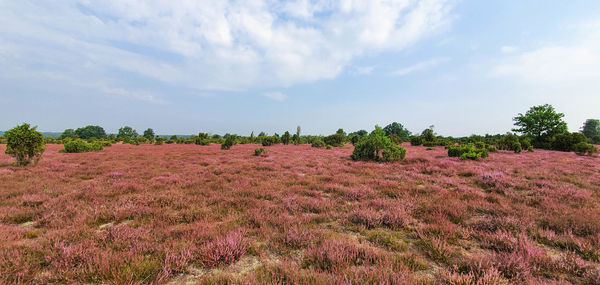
x=567 y=141
x=79 y=145
x=159 y=141
x=378 y=147
x=416 y=141
x=429 y=143
x=318 y=143
x=229 y=142
x=491 y=148
x=329 y=146
x=336 y=139
x=510 y=142
x=467 y=152
x=480 y=145
x=595 y=139
x=259 y=151
x=25 y=144
x=583 y=148
x=285 y=138
x=269 y=140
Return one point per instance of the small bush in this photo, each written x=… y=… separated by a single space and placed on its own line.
x=416 y=141
x=229 y=142
x=318 y=143
x=79 y=145
x=25 y=144
x=467 y=152
x=329 y=146
x=336 y=140
x=159 y=141
x=584 y=148
x=269 y=141
x=259 y=151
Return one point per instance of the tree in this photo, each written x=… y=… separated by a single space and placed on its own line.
x=149 y=134
x=398 y=130
x=377 y=146
x=591 y=128
x=68 y=133
x=25 y=144
x=90 y=132
x=285 y=139
x=127 y=134
x=341 y=132
x=541 y=123
x=428 y=134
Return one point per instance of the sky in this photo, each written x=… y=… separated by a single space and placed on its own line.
x=183 y=67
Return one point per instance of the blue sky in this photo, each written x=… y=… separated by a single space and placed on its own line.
x=181 y=67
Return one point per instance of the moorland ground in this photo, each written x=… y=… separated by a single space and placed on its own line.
x=298 y=215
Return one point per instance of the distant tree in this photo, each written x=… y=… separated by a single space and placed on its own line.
x=252 y=137
x=541 y=123
x=591 y=128
x=149 y=134
x=298 y=130
x=68 y=133
x=216 y=136
x=173 y=138
x=127 y=134
x=25 y=144
x=341 y=131
x=203 y=136
x=285 y=139
x=262 y=134
x=296 y=139
x=428 y=134
x=398 y=130
x=90 y=132
x=230 y=140
x=378 y=147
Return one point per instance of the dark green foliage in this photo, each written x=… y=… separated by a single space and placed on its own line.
x=467 y=152
x=269 y=140
x=159 y=140
x=229 y=142
x=541 y=123
x=480 y=145
x=429 y=143
x=341 y=132
x=491 y=148
x=202 y=139
x=591 y=128
x=336 y=139
x=296 y=139
x=395 y=139
x=127 y=134
x=357 y=136
x=595 y=139
x=398 y=130
x=259 y=151
x=416 y=141
x=428 y=135
x=285 y=138
x=140 y=140
x=149 y=134
x=566 y=141
x=25 y=144
x=90 y=132
x=318 y=143
x=79 y=145
x=510 y=142
x=583 y=148
x=68 y=133
x=378 y=147
x=526 y=144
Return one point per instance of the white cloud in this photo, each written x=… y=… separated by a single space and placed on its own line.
x=277 y=96
x=208 y=45
x=420 y=66
x=509 y=49
x=364 y=70
x=557 y=65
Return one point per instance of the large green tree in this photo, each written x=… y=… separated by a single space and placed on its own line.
x=90 y=132
x=127 y=133
x=25 y=144
x=591 y=128
x=398 y=129
x=149 y=134
x=541 y=123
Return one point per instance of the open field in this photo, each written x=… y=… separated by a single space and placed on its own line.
x=196 y=214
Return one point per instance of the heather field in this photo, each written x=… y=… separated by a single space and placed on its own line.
x=189 y=214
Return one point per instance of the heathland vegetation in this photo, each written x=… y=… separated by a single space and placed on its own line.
x=379 y=207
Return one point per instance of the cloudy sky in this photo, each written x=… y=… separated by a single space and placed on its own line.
x=182 y=67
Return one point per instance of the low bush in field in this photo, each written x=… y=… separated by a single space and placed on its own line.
x=259 y=151
x=79 y=145
x=510 y=142
x=584 y=148
x=415 y=141
x=270 y=140
x=318 y=143
x=468 y=152
x=336 y=140
x=378 y=147
x=229 y=142
x=567 y=142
